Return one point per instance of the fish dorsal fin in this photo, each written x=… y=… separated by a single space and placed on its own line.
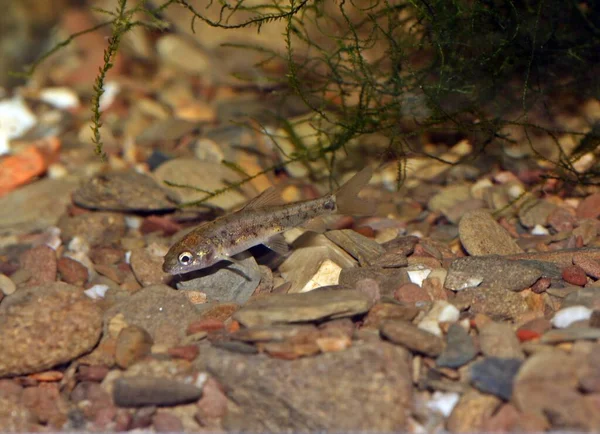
x=269 y=197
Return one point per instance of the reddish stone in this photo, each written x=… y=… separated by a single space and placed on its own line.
x=589 y=208
x=72 y=271
x=187 y=352
x=167 y=422
x=156 y=223
x=589 y=265
x=92 y=373
x=574 y=275
x=541 y=285
x=527 y=335
x=561 y=220
x=41 y=263
x=106 y=256
x=411 y=293
x=213 y=403
x=204 y=325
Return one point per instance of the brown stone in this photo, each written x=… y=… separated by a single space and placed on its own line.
x=40 y=262
x=72 y=271
x=133 y=344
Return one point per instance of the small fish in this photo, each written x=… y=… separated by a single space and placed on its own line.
x=261 y=221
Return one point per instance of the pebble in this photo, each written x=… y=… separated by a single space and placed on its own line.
x=570 y=334
x=412 y=337
x=411 y=293
x=497 y=303
x=94 y=228
x=204 y=174
x=72 y=271
x=497 y=240
x=443 y=402
x=441 y=311
x=588 y=297
x=96 y=292
x=147 y=268
x=587 y=264
x=122 y=191
x=40 y=262
x=589 y=208
x=275 y=332
x=141 y=391
x=567 y=316
x=7 y=286
x=472 y=411
x=388 y=279
x=33 y=340
x=133 y=344
x=225 y=282
x=384 y=311
x=185 y=352
x=365 y=250
x=213 y=403
x=574 y=275
x=183 y=54
x=536 y=212
x=499 y=340
x=308 y=306
x=495 y=375
x=159 y=309
x=167 y=422
x=361 y=389
x=35 y=206
x=492 y=272
x=459 y=349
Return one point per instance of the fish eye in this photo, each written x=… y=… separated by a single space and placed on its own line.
x=185 y=258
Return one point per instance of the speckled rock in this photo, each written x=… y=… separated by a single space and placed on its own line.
x=96 y=228
x=162 y=311
x=44 y=326
x=497 y=240
x=364 y=388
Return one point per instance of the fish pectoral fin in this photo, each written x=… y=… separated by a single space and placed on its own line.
x=269 y=197
x=277 y=244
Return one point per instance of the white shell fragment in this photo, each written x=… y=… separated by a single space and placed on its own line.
x=442 y=311
x=417 y=276
x=443 y=402
x=567 y=316
x=96 y=292
x=15 y=120
x=60 y=97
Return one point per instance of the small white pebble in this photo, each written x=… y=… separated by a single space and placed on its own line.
x=539 y=230
x=515 y=191
x=57 y=171
x=327 y=274
x=567 y=316
x=443 y=402
x=96 y=292
x=469 y=282
x=200 y=380
x=78 y=244
x=15 y=120
x=111 y=90
x=133 y=222
x=7 y=286
x=59 y=97
x=432 y=326
x=127 y=256
x=418 y=276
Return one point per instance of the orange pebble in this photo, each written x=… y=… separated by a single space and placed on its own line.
x=47 y=376
x=33 y=161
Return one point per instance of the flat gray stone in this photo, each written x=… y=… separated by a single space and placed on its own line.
x=364 y=388
x=35 y=206
x=122 y=191
x=225 y=281
x=499 y=340
x=459 y=350
x=492 y=272
x=308 y=306
x=143 y=391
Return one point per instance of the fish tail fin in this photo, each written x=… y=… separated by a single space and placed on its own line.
x=347 y=199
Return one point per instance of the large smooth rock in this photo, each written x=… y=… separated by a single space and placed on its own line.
x=364 y=388
x=45 y=326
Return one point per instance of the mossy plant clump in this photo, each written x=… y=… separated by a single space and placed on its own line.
x=392 y=71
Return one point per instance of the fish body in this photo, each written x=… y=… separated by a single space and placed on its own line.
x=261 y=221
